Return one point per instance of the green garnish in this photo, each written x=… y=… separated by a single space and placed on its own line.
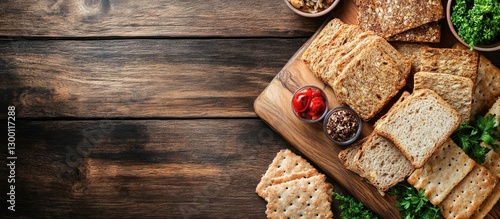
x=469 y=137
x=351 y=208
x=477 y=21
x=412 y=203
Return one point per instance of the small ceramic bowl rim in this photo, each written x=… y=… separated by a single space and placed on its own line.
x=324 y=97
x=358 y=132
x=319 y=14
x=484 y=48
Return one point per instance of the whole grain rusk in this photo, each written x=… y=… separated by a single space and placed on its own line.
x=423 y=113
x=284 y=164
x=426 y=33
x=455 y=90
x=449 y=61
x=382 y=163
x=443 y=171
x=465 y=198
x=390 y=17
x=487 y=204
x=328 y=68
x=368 y=82
x=347 y=156
x=300 y=198
x=323 y=55
x=487 y=87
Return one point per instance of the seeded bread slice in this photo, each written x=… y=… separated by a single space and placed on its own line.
x=368 y=82
x=419 y=125
x=426 y=33
x=455 y=90
x=390 y=17
x=450 y=61
x=382 y=163
x=444 y=170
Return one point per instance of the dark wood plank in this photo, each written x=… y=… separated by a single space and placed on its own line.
x=141 y=168
x=157 y=18
x=139 y=78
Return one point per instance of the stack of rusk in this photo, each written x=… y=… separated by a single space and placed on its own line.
x=293 y=188
x=419 y=125
x=363 y=69
x=402 y=20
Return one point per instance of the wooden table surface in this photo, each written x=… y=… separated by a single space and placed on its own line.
x=138 y=109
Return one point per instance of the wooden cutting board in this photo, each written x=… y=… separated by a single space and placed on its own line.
x=274 y=107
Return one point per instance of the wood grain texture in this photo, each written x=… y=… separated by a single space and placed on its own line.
x=152 y=18
x=141 y=168
x=139 y=78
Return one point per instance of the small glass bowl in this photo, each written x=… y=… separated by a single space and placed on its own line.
x=358 y=120
x=324 y=97
x=317 y=14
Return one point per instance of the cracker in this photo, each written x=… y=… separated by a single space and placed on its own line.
x=469 y=194
x=304 y=174
x=450 y=61
x=487 y=204
x=427 y=33
x=455 y=90
x=300 y=198
x=443 y=171
x=380 y=77
x=390 y=17
x=284 y=164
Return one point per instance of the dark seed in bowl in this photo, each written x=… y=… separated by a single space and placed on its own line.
x=342 y=125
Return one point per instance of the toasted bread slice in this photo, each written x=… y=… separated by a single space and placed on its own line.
x=368 y=82
x=410 y=51
x=347 y=156
x=465 y=198
x=390 y=17
x=450 y=61
x=382 y=163
x=423 y=113
x=444 y=170
x=426 y=33
x=455 y=90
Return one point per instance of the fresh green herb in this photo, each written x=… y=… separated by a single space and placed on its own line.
x=477 y=21
x=351 y=208
x=469 y=137
x=412 y=203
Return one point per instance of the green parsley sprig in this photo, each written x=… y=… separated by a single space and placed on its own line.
x=412 y=203
x=469 y=137
x=477 y=21
x=351 y=208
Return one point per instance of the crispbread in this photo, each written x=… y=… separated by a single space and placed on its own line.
x=455 y=90
x=487 y=204
x=390 y=17
x=347 y=156
x=449 y=61
x=382 y=163
x=426 y=33
x=300 y=198
x=328 y=66
x=443 y=171
x=487 y=84
x=423 y=113
x=380 y=77
x=467 y=196
x=285 y=163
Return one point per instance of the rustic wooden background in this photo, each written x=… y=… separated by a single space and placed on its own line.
x=133 y=109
